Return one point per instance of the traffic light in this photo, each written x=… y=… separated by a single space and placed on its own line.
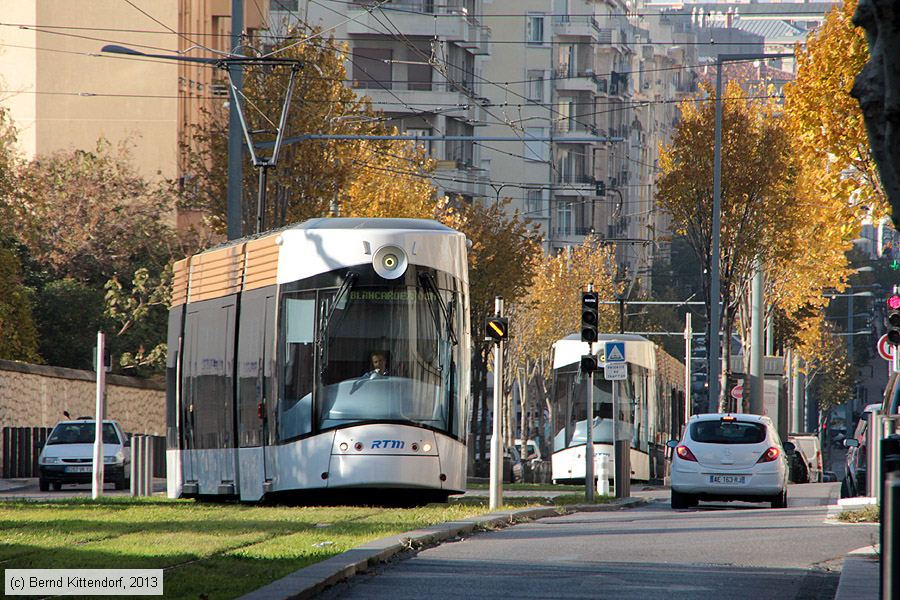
x=588 y=364
x=599 y=188
x=496 y=328
x=589 y=318
x=893 y=319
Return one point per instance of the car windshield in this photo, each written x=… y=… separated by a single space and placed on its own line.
x=728 y=432
x=81 y=433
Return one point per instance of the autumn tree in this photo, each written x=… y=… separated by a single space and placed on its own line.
x=313 y=178
x=826 y=123
x=501 y=263
x=18 y=334
x=550 y=311
x=755 y=192
x=84 y=218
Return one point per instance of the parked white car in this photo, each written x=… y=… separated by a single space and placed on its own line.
x=726 y=456
x=68 y=455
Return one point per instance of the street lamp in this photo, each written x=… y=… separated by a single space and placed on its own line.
x=714 y=283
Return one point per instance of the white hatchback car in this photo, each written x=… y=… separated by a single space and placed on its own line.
x=727 y=457
x=68 y=455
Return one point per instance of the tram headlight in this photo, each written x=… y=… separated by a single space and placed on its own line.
x=390 y=262
x=426 y=447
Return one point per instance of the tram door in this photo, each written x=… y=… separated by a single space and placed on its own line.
x=256 y=355
x=210 y=459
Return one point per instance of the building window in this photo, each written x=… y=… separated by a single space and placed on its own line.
x=418 y=70
x=536 y=149
x=534 y=205
x=564 y=218
x=534 y=33
x=372 y=68
x=421 y=131
x=535 y=91
x=284 y=5
x=460 y=151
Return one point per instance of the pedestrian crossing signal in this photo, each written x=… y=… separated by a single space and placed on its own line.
x=496 y=328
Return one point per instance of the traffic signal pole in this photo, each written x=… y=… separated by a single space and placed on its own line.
x=589 y=428
x=496 y=441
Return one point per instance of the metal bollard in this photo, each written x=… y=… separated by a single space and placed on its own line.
x=602 y=470
x=890 y=512
x=148 y=466
x=135 y=471
x=890 y=537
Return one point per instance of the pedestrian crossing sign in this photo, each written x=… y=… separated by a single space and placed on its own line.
x=615 y=352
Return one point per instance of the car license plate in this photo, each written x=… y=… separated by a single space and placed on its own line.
x=84 y=469
x=728 y=479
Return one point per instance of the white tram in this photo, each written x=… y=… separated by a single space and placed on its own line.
x=272 y=340
x=650 y=402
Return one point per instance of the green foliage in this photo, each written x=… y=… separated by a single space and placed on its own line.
x=18 y=335
x=68 y=314
x=139 y=312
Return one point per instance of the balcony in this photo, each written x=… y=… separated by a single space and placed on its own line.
x=417 y=19
x=569 y=80
x=566 y=133
x=580 y=26
x=479 y=38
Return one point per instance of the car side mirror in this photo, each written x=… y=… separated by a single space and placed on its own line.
x=789 y=448
x=851 y=443
x=127 y=443
x=672 y=444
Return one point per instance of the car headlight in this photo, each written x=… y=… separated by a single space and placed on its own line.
x=114 y=460
x=51 y=460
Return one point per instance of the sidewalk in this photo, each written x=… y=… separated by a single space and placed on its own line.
x=9 y=485
x=859 y=576
x=310 y=581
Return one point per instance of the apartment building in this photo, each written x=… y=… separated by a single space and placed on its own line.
x=420 y=62
x=63 y=93
x=601 y=87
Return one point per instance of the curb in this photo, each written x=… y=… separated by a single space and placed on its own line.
x=310 y=581
x=860 y=575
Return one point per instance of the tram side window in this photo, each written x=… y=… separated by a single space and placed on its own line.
x=298 y=327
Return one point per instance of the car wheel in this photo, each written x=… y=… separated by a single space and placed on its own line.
x=43 y=485
x=120 y=483
x=57 y=485
x=780 y=501
x=680 y=500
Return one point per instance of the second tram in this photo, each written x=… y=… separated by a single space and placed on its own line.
x=651 y=407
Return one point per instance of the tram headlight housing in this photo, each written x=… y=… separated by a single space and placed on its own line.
x=390 y=262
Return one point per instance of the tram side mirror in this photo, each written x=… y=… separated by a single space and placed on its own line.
x=851 y=443
x=789 y=448
x=672 y=444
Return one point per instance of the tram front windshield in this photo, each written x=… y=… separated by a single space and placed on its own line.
x=384 y=352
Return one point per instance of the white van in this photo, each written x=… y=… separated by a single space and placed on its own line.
x=533 y=451
x=809 y=443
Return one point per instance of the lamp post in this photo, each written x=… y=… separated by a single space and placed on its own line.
x=714 y=283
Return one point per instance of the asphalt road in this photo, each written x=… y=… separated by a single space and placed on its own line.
x=717 y=551
x=28 y=489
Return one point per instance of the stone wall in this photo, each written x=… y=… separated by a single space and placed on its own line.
x=36 y=396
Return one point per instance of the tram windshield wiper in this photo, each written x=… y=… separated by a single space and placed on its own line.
x=427 y=281
x=344 y=290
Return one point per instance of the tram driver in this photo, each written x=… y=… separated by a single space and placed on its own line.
x=379 y=365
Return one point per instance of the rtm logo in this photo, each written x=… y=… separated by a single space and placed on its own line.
x=389 y=444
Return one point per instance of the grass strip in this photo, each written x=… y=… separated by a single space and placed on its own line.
x=208 y=550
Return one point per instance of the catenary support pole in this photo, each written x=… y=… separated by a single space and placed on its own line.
x=757 y=343
x=497 y=434
x=235 y=153
x=688 y=340
x=714 y=373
